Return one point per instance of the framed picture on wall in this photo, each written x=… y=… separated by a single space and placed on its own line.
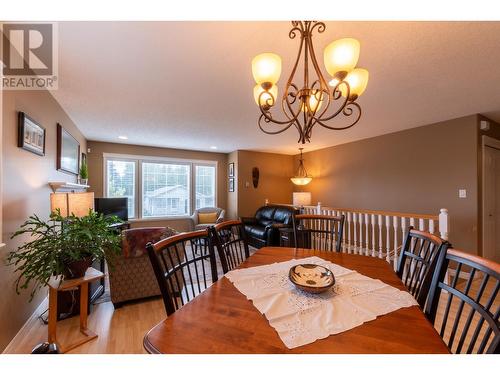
x=231 y=185
x=68 y=151
x=231 y=170
x=31 y=135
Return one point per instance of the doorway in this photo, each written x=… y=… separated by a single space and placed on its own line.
x=491 y=198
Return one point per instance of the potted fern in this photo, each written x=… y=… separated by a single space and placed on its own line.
x=61 y=246
x=84 y=173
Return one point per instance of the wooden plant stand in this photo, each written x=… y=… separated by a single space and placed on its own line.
x=83 y=283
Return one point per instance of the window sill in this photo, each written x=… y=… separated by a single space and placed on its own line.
x=161 y=218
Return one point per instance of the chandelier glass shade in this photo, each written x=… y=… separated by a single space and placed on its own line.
x=301 y=178
x=314 y=100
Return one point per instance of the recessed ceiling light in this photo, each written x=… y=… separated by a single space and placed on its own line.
x=122 y=137
x=213 y=147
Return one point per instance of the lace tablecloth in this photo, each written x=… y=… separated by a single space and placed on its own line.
x=301 y=318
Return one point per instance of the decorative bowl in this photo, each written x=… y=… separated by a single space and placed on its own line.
x=311 y=278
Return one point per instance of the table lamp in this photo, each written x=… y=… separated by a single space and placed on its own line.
x=78 y=204
x=301 y=199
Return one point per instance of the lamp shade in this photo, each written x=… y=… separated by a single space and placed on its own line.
x=301 y=180
x=266 y=67
x=357 y=80
x=265 y=99
x=78 y=204
x=315 y=101
x=301 y=199
x=341 y=55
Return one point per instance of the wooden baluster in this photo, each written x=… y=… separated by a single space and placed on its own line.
x=432 y=228
x=373 y=236
x=444 y=223
x=380 y=236
x=349 y=243
x=421 y=224
x=388 y=239
x=344 y=233
x=395 y=226
x=355 y=229
x=360 y=216
x=367 y=239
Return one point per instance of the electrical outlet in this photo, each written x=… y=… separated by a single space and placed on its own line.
x=462 y=193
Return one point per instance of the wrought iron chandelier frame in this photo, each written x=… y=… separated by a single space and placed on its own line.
x=295 y=99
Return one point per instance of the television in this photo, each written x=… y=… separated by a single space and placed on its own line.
x=112 y=206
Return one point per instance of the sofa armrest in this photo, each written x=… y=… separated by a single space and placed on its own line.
x=248 y=220
x=280 y=225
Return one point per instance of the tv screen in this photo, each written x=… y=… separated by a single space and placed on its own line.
x=112 y=206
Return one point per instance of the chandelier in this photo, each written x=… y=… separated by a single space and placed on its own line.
x=316 y=101
x=301 y=178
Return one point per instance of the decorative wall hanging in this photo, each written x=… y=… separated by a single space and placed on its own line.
x=30 y=135
x=68 y=151
x=255 y=177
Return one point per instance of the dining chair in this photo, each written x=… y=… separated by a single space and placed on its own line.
x=181 y=271
x=319 y=232
x=230 y=240
x=470 y=299
x=417 y=262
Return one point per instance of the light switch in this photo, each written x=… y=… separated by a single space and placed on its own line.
x=247 y=184
x=462 y=193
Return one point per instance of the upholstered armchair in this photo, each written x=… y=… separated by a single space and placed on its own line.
x=131 y=276
x=206 y=217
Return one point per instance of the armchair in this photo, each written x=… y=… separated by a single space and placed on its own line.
x=263 y=229
x=205 y=217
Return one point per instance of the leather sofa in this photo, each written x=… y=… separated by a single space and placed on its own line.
x=263 y=229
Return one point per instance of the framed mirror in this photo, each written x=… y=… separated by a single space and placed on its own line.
x=68 y=151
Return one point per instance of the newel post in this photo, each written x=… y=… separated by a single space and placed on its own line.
x=444 y=223
x=318 y=208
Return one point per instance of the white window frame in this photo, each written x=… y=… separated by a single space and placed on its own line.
x=140 y=159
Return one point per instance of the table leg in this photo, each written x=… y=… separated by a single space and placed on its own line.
x=52 y=315
x=84 y=301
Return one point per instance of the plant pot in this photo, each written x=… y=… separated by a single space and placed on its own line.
x=77 y=268
x=83 y=181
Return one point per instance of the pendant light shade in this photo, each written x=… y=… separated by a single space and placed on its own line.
x=301 y=178
x=266 y=68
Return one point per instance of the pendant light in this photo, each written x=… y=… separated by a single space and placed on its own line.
x=301 y=178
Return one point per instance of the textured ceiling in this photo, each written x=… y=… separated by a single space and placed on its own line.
x=189 y=84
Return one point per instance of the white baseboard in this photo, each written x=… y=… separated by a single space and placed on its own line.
x=40 y=309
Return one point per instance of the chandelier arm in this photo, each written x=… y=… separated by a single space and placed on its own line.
x=347 y=112
x=297 y=27
x=342 y=107
x=265 y=112
x=262 y=116
x=320 y=25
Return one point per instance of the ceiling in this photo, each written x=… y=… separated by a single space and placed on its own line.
x=189 y=85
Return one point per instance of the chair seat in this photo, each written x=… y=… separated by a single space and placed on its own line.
x=203 y=226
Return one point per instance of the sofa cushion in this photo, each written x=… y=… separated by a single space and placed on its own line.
x=256 y=231
x=283 y=215
x=265 y=214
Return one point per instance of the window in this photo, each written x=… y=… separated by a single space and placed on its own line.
x=121 y=182
x=205 y=186
x=161 y=187
x=165 y=189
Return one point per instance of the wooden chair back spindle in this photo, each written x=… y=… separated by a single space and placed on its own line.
x=184 y=266
x=230 y=240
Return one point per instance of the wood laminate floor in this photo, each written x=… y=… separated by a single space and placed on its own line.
x=122 y=331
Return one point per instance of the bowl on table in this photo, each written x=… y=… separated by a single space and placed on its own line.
x=311 y=278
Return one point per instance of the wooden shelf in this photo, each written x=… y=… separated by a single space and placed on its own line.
x=67 y=187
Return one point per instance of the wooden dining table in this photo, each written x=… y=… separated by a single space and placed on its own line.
x=223 y=320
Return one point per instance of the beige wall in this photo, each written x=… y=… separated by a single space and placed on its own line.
x=26 y=191
x=95 y=161
x=418 y=171
x=232 y=196
x=274 y=183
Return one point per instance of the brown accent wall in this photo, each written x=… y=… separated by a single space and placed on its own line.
x=274 y=183
x=25 y=191
x=418 y=170
x=95 y=161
